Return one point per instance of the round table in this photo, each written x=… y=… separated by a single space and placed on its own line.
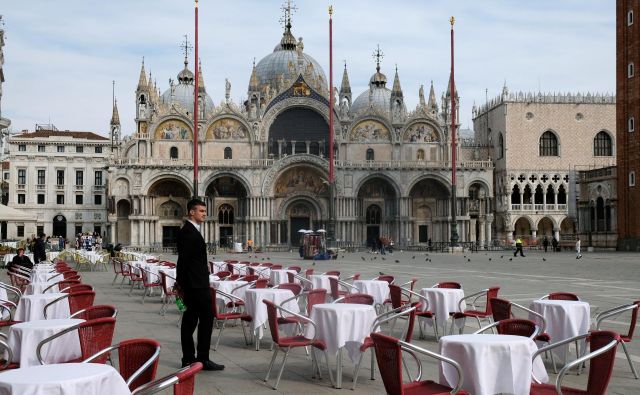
x=64 y=379
x=219 y=267
x=341 y=325
x=169 y=272
x=45 y=275
x=491 y=364
x=258 y=310
x=31 y=307
x=565 y=319
x=321 y=281
x=237 y=247
x=24 y=339
x=376 y=288
x=442 y=301
x=227 y=287
x=280 y=276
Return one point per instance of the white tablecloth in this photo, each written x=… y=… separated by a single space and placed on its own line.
x=170 y=272
x=280 y=276
x=262 y=271
x=228 y=287
x=565 y=319
x=321 y=281
x=41 y=276
x=258 y=310
x=491 y=364
x=442 y=301
x=31 y=307
x=240 y=268
x=34 y=288
x=378 y=289
x=219 y=267
x=64 y=379
x=51 y=255
x=9 y=257
x=237 y=247
x=342 y=325
x=25 y=337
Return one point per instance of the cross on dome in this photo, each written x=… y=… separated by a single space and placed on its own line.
x=287 y=9
x=378 y=55
x=186 y=48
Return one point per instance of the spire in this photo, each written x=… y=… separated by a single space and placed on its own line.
x=115 y=117
x=253 y=82
x=186 y=76
x=345 y=87
x=397 y=90
x=142 y=81
x=201 y=87
x=432 y=104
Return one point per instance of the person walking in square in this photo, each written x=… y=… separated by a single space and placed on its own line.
x=554 y=244
x=545 y=243
x=578 y=254
x=193 y=282
x=518 y=247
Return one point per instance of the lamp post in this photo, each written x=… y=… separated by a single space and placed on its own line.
x=454 y=224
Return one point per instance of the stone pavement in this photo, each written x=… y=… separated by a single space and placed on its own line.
x=604 y=280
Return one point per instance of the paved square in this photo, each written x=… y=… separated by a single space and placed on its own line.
x=602 y=279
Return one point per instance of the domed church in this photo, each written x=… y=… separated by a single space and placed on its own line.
x=263 y=163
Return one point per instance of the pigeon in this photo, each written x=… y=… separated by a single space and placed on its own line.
x=426 y=259
x=383 y=258
x=268 y=258
x=489 y=259
x=501 y=256
x=468 y=260
x=314 y=263
x=375 y=257
x=363 y=258
x=342 y=257
x=397 y=261
x=544 y=259
x=510 y=259
x=465 y=256
x=380 y=273
x=413 y=257
x=263 y=258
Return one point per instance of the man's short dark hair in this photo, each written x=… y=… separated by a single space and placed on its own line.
x=20 y=249
x=193 y=203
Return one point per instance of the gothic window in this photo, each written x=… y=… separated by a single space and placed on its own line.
x=500 y=146
x=173 y=153
x=526 y=196
x=562 y=195
x=370 y=154
x=143 y=100
x=602 y=145
x=228 y=153
x=420 y=155
x=548 y=144
x=537 y=199
x=225 y=215
x=600 y=214
x=171 y=209
x=550 y=194
x=632 y=179
x=630 y=70
x=632 y=124
x=373 y=216
x=515 y=195
x=630 y=18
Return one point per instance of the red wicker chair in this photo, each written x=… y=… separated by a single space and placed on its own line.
x=223 y=274
x=293 y=287
x=332 y=273
x=386 y=277
x=389 y=357
x=183 y=382
x=633 y=307
x=396 y=294
x=137 y=360
x=77 y=288
x=95 y=335
x=448 y=284
x=514 y=326
x=95 y=312
x=62 y=285
x=287 y=343
x=298 y=269
x=561 y=296
x=117 y=269
x=6 y=310
x=356 y=298
x=168 y=292
x=475 y=312
x=227 y=316
x=77 y=301
x=603 y=345
x=336 y=292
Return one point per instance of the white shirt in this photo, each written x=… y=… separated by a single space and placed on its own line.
x=197 y=225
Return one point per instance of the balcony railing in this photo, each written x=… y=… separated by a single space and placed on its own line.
x=538 y=207
x=412 y=164
x=60 y=187
x=98 y=188
x=21 y=187
x=79 y=187
x=41 y=187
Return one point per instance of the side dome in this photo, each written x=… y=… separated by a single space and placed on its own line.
x=378 y=95
x=287 y=60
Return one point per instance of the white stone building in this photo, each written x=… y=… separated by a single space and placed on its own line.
x=538 y=143
x=61 y=177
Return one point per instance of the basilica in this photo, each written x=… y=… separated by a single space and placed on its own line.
x=263 y=163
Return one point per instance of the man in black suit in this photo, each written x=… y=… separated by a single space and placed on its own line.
x=193 y=280
x=39 y=251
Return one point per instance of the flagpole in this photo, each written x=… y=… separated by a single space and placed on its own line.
x=195 y=109
x=454 y=224
x=332 y=191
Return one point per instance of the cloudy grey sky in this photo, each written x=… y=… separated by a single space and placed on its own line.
x=61 y=56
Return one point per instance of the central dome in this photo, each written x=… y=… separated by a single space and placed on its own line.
x=182 y=94
x=378 y=96
x=284 y=61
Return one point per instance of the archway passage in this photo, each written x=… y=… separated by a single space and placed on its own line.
x=430 y=206
x=545 y=228
x=228 y=196
x=298 y=124
x=522 y=228
x=171 y=197
x=123 y=225
x=300 y=214
x=59 y=226
x=378 y=208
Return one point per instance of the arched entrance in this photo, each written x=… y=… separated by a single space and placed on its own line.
x=228 y=209
x=545 y=228
x=522 y=228
x=377 y=209
x=59 y=226
x=170 y=198
x=567 y=229
x=301 y=216
x=123 y=225
x=430 y=204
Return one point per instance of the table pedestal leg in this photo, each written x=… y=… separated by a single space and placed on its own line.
x=339 y=369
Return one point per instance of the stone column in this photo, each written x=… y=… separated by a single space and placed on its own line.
x=482 y=240
x=472 y=227
x=488 y=232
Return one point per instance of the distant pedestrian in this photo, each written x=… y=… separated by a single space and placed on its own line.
x=545 y=243
x=554 y=244
x=578 y=254
x=40 y=251
x=518 y=247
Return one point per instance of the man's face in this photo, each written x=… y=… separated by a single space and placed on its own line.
x=198 y=214
x=20 y=252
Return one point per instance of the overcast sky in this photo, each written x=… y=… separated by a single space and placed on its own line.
x=61 y=56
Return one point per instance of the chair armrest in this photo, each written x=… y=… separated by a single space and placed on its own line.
x=613 y=312
x=484 y=329
x=12 y=289
x=9 y=358
x=249 y=284
x=301 y=317
x=54 y=276
x=230 y=297
x=421 y=297
x=7 y=305
x=540 y=316
x=100 y=353
x=52 y=302
x=302 y=278
x=475 y=296
x=346 y=285
x=557 y=344
x=391 y=315
x=51 y=338
x=144 y=366
x=411 y=347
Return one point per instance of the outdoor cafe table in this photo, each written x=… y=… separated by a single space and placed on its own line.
x=172 y=273
x=227 y=287
x=258 y=310
x=39 y=275
x=64 y=379
x=35 y=288
x=442 y=302
x=491 y=364
x=219 y=267
x=261 y=271
x=31 y=307
x=565 y=319
x=341 y=325
x=321 y=281
x=280 y=276
x=9 y=257
x=24 y=338
x=376 y=288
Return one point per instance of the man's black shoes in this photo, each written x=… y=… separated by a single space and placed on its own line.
x=212 y=366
